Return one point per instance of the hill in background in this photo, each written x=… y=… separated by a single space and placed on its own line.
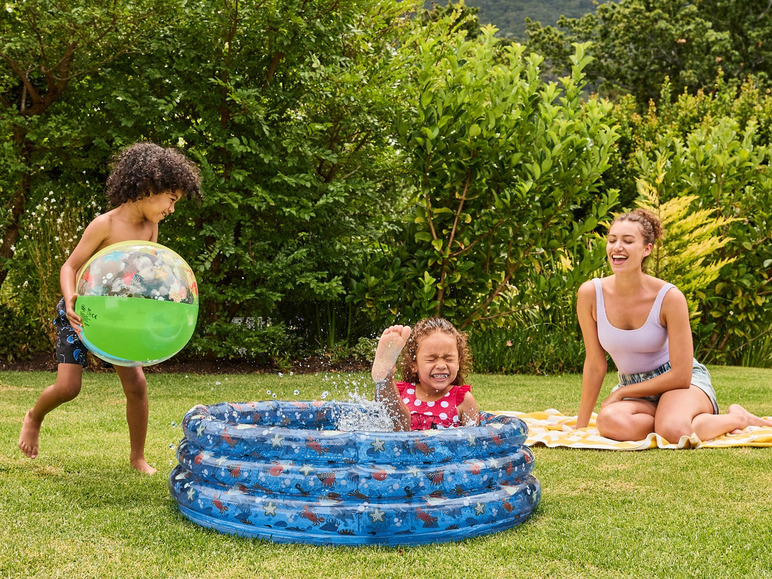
x=509 y=15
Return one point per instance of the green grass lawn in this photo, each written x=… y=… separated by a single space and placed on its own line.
x=78 y=510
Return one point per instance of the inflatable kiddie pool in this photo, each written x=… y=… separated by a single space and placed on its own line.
x=279 y=470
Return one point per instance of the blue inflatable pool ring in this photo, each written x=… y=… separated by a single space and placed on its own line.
x=279 y=470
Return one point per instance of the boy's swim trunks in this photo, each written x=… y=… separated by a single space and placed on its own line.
x=69 y=348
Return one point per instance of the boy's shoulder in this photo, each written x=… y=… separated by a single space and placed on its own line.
x=101 y=222
x=111 y=227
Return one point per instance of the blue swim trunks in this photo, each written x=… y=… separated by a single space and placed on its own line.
x=69 y=348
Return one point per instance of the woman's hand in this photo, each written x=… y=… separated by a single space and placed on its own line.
x=613 y=397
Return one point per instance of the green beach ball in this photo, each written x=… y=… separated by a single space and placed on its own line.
x=138 y=302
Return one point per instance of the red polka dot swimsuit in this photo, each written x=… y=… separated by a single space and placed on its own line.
x=442 y=413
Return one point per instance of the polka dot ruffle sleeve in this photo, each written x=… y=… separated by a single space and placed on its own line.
x=440 y=413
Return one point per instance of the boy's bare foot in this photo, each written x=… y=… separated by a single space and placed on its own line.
x=389 y=347
x=142 y=466
x=747 y=417
x=29 y=436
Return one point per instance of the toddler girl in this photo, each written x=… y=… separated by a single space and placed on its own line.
x=432 y=393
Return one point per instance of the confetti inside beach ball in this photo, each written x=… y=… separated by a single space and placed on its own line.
x=138 y=302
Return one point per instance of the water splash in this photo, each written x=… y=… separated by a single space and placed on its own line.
x=369 y=416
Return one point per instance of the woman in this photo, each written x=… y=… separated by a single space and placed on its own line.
x=642 y=322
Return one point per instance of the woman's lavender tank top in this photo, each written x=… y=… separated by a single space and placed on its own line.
x=633 y=351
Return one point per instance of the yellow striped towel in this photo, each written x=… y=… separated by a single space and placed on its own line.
x=553 y=429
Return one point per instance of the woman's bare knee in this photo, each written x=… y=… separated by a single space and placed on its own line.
x=672 y=432
x=609 y=423
x=626 y=420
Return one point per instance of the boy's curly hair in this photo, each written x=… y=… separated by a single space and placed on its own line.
x=421 y=330
x=145 y=169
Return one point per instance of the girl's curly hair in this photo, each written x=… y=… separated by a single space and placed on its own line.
x=421 y=330
x=145 y=169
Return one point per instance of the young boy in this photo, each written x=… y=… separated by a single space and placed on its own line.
x=146 y=181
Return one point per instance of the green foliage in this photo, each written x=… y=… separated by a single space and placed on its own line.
x=363 y=166
x=265 y=342
x=463 y=17
x=642 y=131
x=724 y=162
x=757 y=352
x=506 y=171
x=541 y=342
x=49 y=50
x=50 y=231
x=687 y=257
x=510 y=17
x=639 y=44
x=22 y=334
x=288 y=117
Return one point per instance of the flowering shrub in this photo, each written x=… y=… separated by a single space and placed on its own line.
x=51 y=231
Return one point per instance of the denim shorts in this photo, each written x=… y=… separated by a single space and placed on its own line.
x=700 y=379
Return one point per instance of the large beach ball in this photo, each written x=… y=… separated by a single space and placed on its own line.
x=138 y=301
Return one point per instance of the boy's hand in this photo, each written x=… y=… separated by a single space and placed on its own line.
x=74 y=319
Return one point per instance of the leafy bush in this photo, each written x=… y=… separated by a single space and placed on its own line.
x=50 y=231
x=687 y=255
x=506 y=176
x=640 y=45
x=289 y=120
x=22 y=335
x=550 y=343
x=724 y=161
x=243 y=339
x=361 y=168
